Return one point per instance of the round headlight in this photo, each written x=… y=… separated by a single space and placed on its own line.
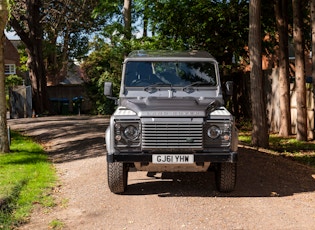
x=214 y=132
x=131 y=132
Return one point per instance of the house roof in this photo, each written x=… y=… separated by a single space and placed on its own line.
x=10 y=51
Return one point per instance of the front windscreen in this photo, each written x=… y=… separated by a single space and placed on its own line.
x=168 y=73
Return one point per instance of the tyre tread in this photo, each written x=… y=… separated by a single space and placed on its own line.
x=226 y=177
x=117 y=177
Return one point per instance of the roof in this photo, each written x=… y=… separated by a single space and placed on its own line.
x=10 y=51
x=169 y=53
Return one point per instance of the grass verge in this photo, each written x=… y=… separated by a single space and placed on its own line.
x=26 y=177
x=301 y=151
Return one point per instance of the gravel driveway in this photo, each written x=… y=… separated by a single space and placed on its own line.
x=271 y=192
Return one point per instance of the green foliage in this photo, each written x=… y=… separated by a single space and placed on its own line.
x=292 y=145
x=108 y=7
x=157 y=43
x=245 y=138
x=301 y=151
x=23 y=58
x=25 y=176
x=104 y=64
x=220 y=27
x=13 y=80
x=56 y=224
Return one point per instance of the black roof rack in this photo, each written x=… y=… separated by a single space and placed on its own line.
x=170 y=53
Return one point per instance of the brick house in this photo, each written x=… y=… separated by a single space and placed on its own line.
x=11 y=56
x=20 y=96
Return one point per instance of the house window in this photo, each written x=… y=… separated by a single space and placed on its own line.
x=10 y=69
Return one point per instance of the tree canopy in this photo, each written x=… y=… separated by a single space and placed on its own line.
x=102 y=32
x=53 y=32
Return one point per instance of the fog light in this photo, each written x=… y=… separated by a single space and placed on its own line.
x=117 y=137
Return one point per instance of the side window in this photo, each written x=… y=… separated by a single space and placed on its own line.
x=10 y=69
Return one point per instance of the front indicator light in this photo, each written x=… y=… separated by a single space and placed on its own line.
x=226 y=137
x=226 y=134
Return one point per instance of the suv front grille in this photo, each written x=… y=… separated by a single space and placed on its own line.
x=172 y=136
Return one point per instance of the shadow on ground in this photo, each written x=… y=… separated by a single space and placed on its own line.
x=66 y=138
x=259 y=174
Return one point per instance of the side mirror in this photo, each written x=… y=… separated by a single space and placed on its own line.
x=229 y=88
x=108 y=89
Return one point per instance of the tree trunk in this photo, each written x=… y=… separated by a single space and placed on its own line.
x=64 y=56
x=260 y=135
x=284 y=87
x=145 y=20
x=127 y=24
x=127 y=18
x=4 y=142
x=313 y=44
x=301 y=122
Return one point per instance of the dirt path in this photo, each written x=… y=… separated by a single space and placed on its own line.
x=271 y=192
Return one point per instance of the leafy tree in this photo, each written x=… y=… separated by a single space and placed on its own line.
x=13 y=80
x=220 y=27
x=67 y=25
x=119 y=20
x=4 y=142
x=52 y=31
x=260 y=136
x=104 y=64
x=26 y=20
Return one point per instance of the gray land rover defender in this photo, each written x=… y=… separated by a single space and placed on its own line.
x=170 y=118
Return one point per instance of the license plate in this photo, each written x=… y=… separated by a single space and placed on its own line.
x=172 y=159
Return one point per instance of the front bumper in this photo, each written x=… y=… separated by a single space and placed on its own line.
x=230 y=157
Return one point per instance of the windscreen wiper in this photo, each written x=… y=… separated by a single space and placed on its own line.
x=187 y=88
x=152 y=87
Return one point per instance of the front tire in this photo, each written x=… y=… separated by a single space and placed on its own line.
x=117 y=174
x=225 y=176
